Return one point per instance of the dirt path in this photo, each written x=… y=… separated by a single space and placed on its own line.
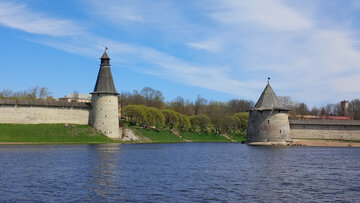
x=228 y=137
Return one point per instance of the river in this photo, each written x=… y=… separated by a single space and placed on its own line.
x=185 y=172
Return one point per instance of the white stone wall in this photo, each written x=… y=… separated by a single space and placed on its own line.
x=336 y=132
x=36 y=115
x=104 y=114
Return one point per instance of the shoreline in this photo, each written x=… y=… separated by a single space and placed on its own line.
x=325 y=143
x=296 y=142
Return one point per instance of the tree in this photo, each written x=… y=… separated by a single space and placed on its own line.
x=236 y=105
x=135 y=114
x=241 y=121
x=33 y=92
x=155 y=117
x=171 y=118
x=153 y=98
x=200 y=105
x=286 y=101
x=201 y=121
x=178 y=104
x=354 y=108
x=184 y=122
x=44 y=93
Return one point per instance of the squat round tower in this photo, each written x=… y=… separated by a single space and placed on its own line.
x=104 y=102
x=268 y=120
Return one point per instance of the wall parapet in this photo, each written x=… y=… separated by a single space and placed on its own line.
x=43 y=103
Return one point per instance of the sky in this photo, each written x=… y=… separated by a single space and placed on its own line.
x=218 y=49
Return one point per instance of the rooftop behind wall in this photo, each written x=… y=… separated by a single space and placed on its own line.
x=325 y=122
x=43 y=103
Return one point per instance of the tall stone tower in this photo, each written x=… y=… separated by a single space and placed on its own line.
x=104 y=102
x=268 y=120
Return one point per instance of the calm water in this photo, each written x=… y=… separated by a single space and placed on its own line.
x=193 y=172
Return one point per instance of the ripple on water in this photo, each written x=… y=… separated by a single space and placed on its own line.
x=188 y=172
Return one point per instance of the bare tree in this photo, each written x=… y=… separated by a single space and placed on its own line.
x=44 y=92
x=33 y=92
x=200 y=104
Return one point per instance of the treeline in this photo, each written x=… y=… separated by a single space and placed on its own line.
x=148 y=108
x=169 y=119
x=30 y=94
x=154 y=98
x=332 y=109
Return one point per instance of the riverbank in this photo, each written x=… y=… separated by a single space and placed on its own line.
x=325 y=143
x=84 y=134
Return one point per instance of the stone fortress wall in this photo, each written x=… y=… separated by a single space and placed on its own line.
x=325 y=129
x=36 y=112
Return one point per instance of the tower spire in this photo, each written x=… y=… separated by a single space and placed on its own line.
x=105 y=82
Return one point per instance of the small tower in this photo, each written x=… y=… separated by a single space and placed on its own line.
x=104 y=102
x=268 y=120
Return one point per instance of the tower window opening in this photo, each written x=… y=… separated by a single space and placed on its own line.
x=268 y=121
x=280 y=131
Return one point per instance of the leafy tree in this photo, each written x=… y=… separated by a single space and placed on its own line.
x=135 y=114
x=201 y=121
x=171 y=118
x=155 y=117
x=241 y=121
x=184 y=122
x=228 y=124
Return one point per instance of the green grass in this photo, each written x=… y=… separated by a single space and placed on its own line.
x=158 y=135
x=50 y=133
x=203 y=137
x=84 y=134
x=238 y=137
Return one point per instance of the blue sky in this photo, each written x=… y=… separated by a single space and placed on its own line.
x=219 y=49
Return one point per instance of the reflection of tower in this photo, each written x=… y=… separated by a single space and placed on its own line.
x=104 y=102
x=344 y=105
x=268 y=120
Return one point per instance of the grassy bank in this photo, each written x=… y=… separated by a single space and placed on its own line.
x=50 y=133
x=166 y=136
x=84 y=134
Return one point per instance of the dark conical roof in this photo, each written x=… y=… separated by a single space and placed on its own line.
x=104 y=82
x=268 y=100
x=105 y=55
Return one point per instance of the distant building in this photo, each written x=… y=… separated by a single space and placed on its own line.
x=83 y=98
x=344 y=105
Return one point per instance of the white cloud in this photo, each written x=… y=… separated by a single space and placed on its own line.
x=211 y=45
x=18 y=16
x=273 y=14
x=253 y=39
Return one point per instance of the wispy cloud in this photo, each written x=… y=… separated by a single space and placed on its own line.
x=261 y=13
x=234 y=45
x=20 y=17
